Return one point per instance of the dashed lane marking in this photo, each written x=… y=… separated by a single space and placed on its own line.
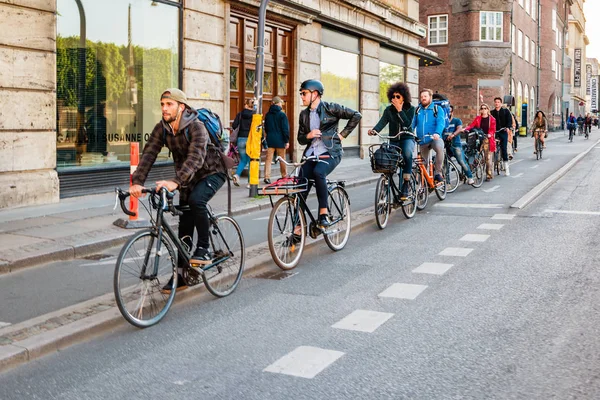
x=492 y=189
x=515 y=162
x=456 y=252
x=363 y=321
x=261 y=218
x=535 y=166
x=403 y=291
x=4 y=324
x=503 y=216
x=474 y=237
x=432 y=268
x=468 y=205
x=573 y=212
x=304 y=362
x=491 y=227
x=520 y=174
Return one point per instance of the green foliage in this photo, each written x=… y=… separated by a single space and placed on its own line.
x=340 y=89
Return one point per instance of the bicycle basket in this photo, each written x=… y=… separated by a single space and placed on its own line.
x=284 y=186
x=474 y=140
x=385 y=158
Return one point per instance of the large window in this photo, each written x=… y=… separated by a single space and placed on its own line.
x=490 y=26
x=438 y=29
x=391 y=70
x=520 y=43
x=526 y=51
x=113 y=59
x=339 y=74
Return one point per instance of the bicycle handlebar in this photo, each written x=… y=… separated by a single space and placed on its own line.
x=304 y=160
x=165 y=196
x=388 y=137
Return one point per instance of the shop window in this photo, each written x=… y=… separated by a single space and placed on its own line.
x=109 y=85
x=388 y=75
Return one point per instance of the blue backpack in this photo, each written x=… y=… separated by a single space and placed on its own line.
x=440 y=101
x=213 y=125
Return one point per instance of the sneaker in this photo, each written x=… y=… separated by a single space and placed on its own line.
x=404 y=193
x=181 y=285
x=201 y=257
x=470 y=181
x=267 y=181
x=236 y=179
x=438 y=178
x=324 y=221
x=293 y=240
x=515 y=150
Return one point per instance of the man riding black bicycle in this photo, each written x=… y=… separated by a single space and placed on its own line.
x=199 y=171
x=318 y=130
x=504 y=122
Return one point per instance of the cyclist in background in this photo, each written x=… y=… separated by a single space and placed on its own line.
x=429 y=124
x=399 y=115
x=571 y=126
x=539 y=128
x=318 y=130
x=504 y=125
x=486 y=123
x=588 y=124
x=453 y=137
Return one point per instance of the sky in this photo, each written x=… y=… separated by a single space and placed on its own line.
x=591 y=10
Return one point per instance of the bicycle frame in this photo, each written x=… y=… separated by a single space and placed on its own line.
x=427 y=174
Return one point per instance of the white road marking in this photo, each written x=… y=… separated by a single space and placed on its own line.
x=573 y=212
x=261 y=218
x=304 y=362
x=468 y=205
x=520 y=174
x=492 y=189
x=597 y=147
x=403 y=291
x=363 y=321
x=432 y=268
x=4 y=324
x=503 y=216
x=474 y=237
x=515 y=162
x=492 y=227
x=108 y=261
x=456 y=252
x=535 y=166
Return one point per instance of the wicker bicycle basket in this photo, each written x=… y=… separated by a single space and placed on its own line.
x=385 y=158
x=284 y=186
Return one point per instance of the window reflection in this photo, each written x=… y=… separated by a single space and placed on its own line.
x=339 y=74
x=128 y=63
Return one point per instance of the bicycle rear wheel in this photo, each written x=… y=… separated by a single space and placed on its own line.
x=338 y=204
x=478 y=169
x=452 y=175
x=285 y=246
x=228 y=251
x=421 y=189
x=138 y=290
x=382 y=201
x=409 y=206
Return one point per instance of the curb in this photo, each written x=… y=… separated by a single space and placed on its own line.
x=17 y=353
x=70 y=252
x=549 y=181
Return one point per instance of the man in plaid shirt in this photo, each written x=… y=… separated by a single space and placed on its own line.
x=199 y=171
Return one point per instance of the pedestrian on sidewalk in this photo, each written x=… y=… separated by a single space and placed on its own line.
x=243 y=120
x=199 y=172
x=277 y=132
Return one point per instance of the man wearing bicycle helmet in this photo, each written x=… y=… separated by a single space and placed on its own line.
x=199 y=171
x=318 y=130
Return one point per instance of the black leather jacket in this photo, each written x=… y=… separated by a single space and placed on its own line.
x=330 y=114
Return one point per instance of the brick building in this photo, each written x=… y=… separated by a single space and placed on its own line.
x=81 y=79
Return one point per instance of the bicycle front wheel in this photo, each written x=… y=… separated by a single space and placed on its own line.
x=421 y=189
x=478 y=169
x=138 y=285
x=229 y=255
x=452 y=175
x=285 y=245
x=338 y=204
x=409 y=206
x=382 y=201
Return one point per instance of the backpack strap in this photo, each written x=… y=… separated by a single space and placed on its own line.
x=435 y=111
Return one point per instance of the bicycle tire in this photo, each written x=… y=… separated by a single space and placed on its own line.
x=409 y=207
x=153 y=304
x=338 y=234
x=478 y=170
x=229 y=256
x=382 y=202
x=452 y=175
x=421 y=189
x=282 y=240
x=441 y=190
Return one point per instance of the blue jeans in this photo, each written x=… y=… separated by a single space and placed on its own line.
x=503 y=136
x=244 y=158
x=408 y=148
x=318 y=171
x=460 y=158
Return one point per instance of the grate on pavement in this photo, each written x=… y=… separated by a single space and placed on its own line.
x=97 y=257
x=276 y=275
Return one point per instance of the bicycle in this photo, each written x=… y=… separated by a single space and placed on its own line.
x=148 y=260
x=571 y=131
x=423 y=174
x=538 y=145
x=287 y=227
x=455 y=175
x=387 y=191
x=498 y=162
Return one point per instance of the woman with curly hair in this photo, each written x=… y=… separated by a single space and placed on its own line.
x=399 y=115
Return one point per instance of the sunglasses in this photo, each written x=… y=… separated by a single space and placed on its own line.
x=484 y=108
x=397 y=96
x=304 y=93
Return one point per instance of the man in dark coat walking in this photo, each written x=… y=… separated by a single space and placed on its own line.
x=277 y=130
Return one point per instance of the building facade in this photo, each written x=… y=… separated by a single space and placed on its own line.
x=80 y=80
x=575 y=75
x=592 y=72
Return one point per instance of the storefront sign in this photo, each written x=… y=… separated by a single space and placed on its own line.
x=588 y=78
x=594 y=93
x=577 y=78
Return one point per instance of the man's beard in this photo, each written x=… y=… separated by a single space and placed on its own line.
x=169 y=119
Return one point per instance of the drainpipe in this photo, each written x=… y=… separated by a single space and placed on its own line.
x=562 y=77
x=510 y=73
x=538 y=53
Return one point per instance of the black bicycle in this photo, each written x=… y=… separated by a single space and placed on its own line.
x=386 y=159
x=287 y=228
x=148 y=260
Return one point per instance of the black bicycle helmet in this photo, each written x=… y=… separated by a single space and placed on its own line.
x=313 y=85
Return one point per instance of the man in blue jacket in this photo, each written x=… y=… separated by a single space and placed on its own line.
x=429 y=123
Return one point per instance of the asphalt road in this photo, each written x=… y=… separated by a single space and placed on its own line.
x=515 y=318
